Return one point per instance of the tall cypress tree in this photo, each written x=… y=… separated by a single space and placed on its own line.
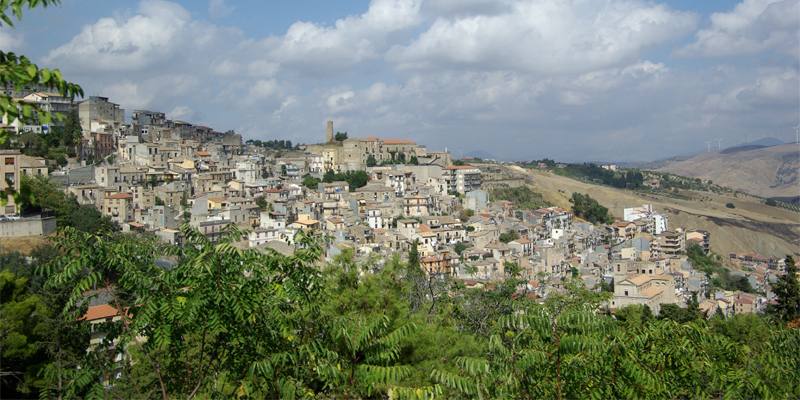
x=787 y=290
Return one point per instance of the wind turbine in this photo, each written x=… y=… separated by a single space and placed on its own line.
x=719 y=144
x=797 y=134
x=708 y=146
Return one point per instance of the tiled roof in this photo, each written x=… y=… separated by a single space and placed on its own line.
x=102 y=311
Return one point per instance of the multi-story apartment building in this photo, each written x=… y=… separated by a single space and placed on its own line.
x=670 y=244
x=416 y=206
x=13 y=166
x=98 y=109
x=462 y=178
x=119 y=207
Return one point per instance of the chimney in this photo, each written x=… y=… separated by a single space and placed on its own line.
x=329 y=132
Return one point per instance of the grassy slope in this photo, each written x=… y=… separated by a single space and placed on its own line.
x=24 y=244
x=751 y=226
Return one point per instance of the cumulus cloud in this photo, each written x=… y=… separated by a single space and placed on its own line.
x=128 y=93
x=771 y=89
x=350 y=40
x=549 y=36
x=342 y=101
x=113 y=44
x=9 y=41
x=263 y=89
x=180 y=113
x=752 y=26
x=503 y=76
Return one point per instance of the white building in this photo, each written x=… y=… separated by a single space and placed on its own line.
x=659 y=223
x=375 y=219
x=634 y=213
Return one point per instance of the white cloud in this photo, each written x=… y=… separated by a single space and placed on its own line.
x=752 y=26
x=181 y=113
x=771 y=90
x=128 y=94
x=10 y=41
x=549 y=36
x=262 y=68
x=342 y=101
x=503 y=76
x=114 y=44
x=263 y=89
x=226 y=68
x=219 y=8
x=350 y=40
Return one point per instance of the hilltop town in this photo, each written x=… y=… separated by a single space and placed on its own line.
x=373 y=196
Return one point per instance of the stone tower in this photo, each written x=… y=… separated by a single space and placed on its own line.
x=329 y=132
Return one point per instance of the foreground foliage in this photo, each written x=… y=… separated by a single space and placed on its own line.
x=211 y=320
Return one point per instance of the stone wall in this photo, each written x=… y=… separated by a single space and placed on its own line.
x=27 y=226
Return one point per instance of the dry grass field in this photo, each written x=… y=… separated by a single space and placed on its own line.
x=751 y=226
x=24 y=244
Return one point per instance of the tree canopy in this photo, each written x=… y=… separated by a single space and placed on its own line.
x=584 y=206
x=222 y=322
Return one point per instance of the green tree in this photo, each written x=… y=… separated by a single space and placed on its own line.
x=38 y=194
x=23 y=328
x=584 y=206
x=262 y=203
x=523 y=197
x=414 y=160
x=787 y=291
x=340 y=136
x=509 y=236
x=311 y=182
x=371 y=161
x=329 y=176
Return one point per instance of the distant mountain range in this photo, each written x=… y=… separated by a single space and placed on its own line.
x=766 y=167
x=753 y=145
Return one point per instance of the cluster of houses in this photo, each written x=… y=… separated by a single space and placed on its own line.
x=154 y=174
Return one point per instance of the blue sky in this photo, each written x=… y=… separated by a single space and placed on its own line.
x=515 y=79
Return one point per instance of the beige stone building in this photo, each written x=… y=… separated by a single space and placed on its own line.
x=352 y=154
x=119 y=207
x=649 y=290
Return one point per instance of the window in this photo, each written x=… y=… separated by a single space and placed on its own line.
x=626 y=293
x=9 y=160
x=10 y=178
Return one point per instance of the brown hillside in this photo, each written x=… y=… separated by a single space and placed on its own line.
x=751 y=226
x=767 y=172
